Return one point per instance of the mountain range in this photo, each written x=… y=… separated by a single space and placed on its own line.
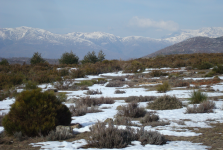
x=24 y=41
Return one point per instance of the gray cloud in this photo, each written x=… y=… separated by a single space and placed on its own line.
x=147 y=23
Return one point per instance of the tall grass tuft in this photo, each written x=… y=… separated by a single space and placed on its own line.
x=197 y=96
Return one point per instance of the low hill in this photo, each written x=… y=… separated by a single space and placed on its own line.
x=193 y=45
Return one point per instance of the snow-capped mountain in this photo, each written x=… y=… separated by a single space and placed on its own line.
x=211 y=32
x=24 y=41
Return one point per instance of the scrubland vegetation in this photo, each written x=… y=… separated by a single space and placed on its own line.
x=36 y=113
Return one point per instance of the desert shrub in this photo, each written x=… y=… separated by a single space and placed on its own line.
x=77 y=73
x=218 y=69
x=115 y=83
x=62 y=97
x=88 y=101
x=63 y=72
x=121 y=120
x=84 y=87
x=109 y=137
x=78 y=111
x=196 y=96
x=150 y=137
x=83 y=109
x=36 y=112
x=101 y=81
x=4 y=62
x=205 y=65
x=181 y=84
x=64 y=84
x=157 y=123
x=119 y=92
x=69 y=58
x=131 y=110
x=163 y=88
x=165 y=102
x=30 y=85
x=93 y=92
x=149 y=117
x=59 y=135
x=204 y=107
x=36 y=59
x=86 y=82
x=157 y=73
x=140 y=98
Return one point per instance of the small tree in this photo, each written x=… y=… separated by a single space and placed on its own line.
x=90 y=58
x=36 y=59
x=4 y=62
x=101 y=55
x=69 y=58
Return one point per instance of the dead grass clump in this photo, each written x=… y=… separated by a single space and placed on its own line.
x=93 y=92
x=84 y=88
x=115 y=83
x=157 y=73
x=163 y=88
x=131 y=110
x=140 y=98
x=109 y=137
x=78 y=111
x=165 y=102
x=149 y=117
x=157 y=123
x=181 y=84
x=204 y=107
x=121 y=120
x=119 y=92
x=118 y=79
x=88 y=101
x=150 y=137
x=59 y=135
x=83 y=110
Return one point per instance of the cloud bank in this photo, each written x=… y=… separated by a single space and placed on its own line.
x=147 y=23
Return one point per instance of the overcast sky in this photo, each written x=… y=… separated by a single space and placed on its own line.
x=150 y=18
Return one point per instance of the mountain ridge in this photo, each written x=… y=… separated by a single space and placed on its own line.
x=193 y=45
x=24 y=41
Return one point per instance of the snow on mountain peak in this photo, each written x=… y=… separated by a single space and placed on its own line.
x=182 y=35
